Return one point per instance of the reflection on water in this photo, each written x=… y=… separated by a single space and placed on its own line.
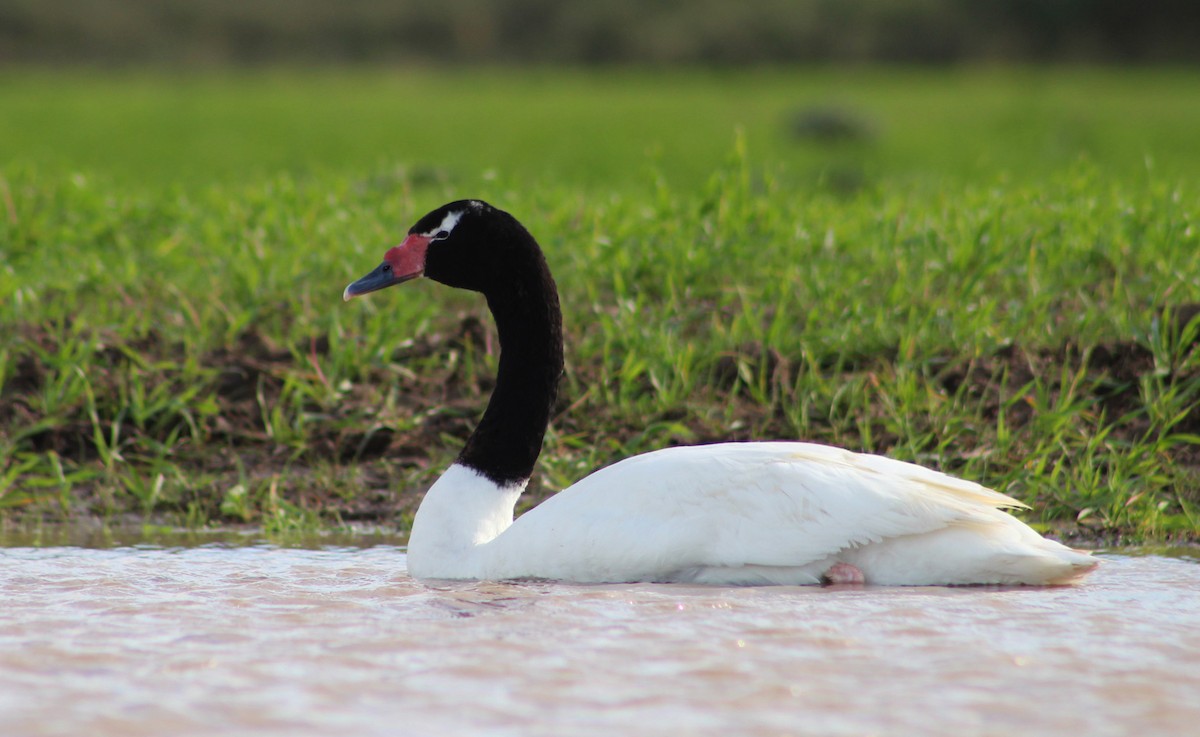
x=270 y=641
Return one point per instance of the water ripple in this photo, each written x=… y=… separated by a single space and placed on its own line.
x=272 y=641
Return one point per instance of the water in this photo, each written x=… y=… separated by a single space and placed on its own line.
x=339 y=641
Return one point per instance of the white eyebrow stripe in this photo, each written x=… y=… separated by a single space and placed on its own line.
x=448 y=223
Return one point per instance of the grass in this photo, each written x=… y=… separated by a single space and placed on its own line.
x=993 y=273
x=501 y=130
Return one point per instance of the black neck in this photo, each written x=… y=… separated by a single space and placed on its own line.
x=508 y=439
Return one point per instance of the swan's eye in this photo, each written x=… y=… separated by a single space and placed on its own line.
x=441 y=235
x=387 y=267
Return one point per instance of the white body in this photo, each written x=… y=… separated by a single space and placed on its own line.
x=737 y=513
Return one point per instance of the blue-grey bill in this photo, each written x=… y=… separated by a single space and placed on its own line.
x=381 y=277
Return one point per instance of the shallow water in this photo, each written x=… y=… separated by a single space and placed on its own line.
x=339 y=641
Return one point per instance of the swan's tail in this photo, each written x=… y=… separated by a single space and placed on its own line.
x=1001 y=551
x=1050 y=563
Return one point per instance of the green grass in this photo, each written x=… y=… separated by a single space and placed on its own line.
x=976 y=282
x=504 y=129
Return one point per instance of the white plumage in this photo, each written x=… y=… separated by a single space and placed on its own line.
x=738 y=513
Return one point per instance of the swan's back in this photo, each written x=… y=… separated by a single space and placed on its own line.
x=745 y=513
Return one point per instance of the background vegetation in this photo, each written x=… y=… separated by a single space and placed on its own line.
x=988 y=269
x=188 y=32
x=991 y=272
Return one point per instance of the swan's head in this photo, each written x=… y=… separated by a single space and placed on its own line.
x=461 y=244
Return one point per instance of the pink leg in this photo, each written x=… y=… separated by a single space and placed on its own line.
x=840 y=573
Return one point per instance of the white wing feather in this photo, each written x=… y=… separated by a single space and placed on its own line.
x=775 y=513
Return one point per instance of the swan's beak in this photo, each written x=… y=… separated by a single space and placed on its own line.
x=381 y=277
x=405 y=261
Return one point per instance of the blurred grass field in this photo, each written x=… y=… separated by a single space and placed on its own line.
x=597 y=130
x=990 y=272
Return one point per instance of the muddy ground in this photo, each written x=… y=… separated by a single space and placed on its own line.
x=373 y=463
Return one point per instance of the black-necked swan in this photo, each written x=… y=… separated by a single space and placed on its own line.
x=730 y=513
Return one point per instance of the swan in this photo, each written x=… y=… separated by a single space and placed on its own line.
x=746 y=513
